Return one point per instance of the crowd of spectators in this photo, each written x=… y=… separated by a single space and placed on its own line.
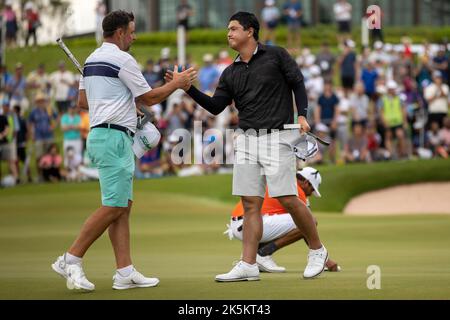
x=386 y=102
x=24 y=22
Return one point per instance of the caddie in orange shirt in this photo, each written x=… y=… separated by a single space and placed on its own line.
x=279 y=230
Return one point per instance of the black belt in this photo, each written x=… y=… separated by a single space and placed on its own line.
x=115 y=127
x=261 y=132
x=237 y=218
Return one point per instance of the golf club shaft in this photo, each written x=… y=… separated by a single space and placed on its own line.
x=297 y=126
x=69 y=54
x=325 y=143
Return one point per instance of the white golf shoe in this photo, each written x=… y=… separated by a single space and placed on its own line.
x=240 y=272
x=134 y=280
x=74 y=275
x=59 y=266
x=266 y=264
x=316 y=263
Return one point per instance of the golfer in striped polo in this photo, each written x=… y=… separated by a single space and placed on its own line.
x=111 y=85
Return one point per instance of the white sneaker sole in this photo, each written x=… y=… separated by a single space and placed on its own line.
x=318 y=274
x=238 y=279
x=70 y=284
x=133 y=286
x=263 y=269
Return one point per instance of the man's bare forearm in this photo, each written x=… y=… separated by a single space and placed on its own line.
x=158 y=95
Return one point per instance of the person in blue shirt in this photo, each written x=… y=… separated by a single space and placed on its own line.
x=441 y=63
x=153 y=74
x=4 y=76
x=16 y=85
x=41 y=126
x=369 y=77
x=293 y=11
x=208 y=75
x=326 y=113
x=347 y=62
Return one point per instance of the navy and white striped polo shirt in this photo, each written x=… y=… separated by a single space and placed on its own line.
x=112 y=80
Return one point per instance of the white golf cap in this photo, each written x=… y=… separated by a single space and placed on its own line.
x=378 y=44
x=29 y=6
x=320 y=127
x=165 y=53
x=314 y=177
x=391 y=84
x=315 y=70
x=145 y=139
x=437 y=74
x=350 y=43
x=299 y=60
x=208 y=57
x=270 y=2
x=310 y=59
x=223 y=54
x=381 y=89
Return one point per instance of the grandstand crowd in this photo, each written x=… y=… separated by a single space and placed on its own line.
x=383 y=102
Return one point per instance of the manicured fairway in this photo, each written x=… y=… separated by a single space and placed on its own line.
x=177 y=236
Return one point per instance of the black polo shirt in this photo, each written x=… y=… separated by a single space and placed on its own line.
x=262 y=88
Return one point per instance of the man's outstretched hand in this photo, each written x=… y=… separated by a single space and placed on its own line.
x=183 y=79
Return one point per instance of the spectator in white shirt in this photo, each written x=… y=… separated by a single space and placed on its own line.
x=343 y=16
x=437 y=96
x=342 y=119
x=270 y=17
x=360 y=106
x=61 y=81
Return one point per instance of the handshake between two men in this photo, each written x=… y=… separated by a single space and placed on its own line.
x=147 y=135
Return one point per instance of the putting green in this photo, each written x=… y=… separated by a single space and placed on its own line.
x=177 y=236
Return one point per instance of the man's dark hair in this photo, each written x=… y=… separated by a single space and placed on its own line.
x=247 y=20
x=115 y=20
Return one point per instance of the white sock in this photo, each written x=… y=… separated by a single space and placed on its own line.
x=71 y=259
x=322 y=248
x=248 y=264
x=125 y=272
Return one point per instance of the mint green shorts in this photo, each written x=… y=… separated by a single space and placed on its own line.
x=111 y=152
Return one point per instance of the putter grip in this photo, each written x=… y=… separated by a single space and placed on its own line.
x=292 y=126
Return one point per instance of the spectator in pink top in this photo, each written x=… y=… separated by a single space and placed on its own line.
x=444 y=136
x=50 y=164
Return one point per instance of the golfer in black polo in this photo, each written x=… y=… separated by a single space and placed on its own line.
x=261 y=81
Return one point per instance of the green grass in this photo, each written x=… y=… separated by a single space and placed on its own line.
x=149 y=45
x=176 y=229
x=51 y=55
x=340 y=183
x=312 y=36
